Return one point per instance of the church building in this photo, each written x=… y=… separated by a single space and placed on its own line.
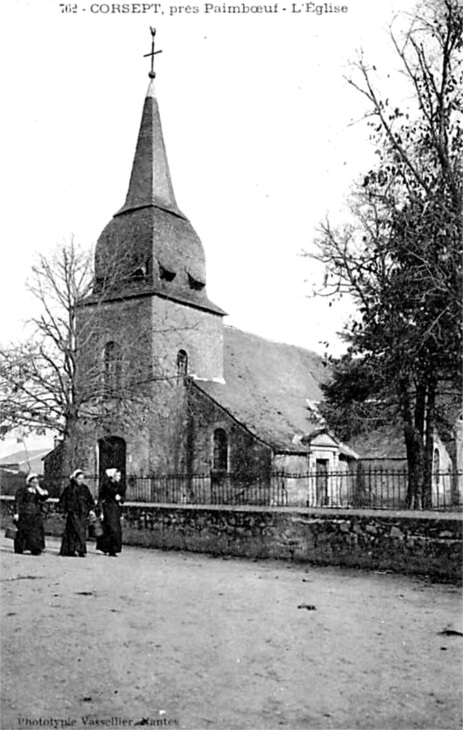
x=179 y=391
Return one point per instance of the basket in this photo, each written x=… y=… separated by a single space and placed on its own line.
x=11 y=532
x=95 y=528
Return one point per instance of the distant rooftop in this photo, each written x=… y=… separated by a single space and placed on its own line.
x=25 y=461
x=383 y=443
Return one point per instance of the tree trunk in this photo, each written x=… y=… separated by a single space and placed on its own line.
x=413 y=444
x=418 y=435
x=75 y=456
x=429 y=446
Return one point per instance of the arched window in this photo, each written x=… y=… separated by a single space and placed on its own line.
x=112 y=454
x=220 y=450
x=112 y=365
x=182 y=363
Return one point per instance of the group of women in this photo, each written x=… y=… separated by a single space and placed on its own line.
x=77 y=503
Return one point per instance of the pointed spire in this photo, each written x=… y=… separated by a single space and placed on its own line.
x=150 y=182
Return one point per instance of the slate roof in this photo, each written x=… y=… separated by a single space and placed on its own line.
x=150 y=244
x=267 y=386
x=150 y=181
x=151 y=234
x=382 y=443
x=388 y=442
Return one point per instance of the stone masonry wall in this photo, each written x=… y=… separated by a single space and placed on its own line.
x=416 y=543
x=248 y=457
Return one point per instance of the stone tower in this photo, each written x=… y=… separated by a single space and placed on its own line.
x=151 y=321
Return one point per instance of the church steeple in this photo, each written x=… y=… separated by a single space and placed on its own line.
x=150 y=246
x=150 y=182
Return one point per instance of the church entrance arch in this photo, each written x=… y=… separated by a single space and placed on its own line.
x=112 y=452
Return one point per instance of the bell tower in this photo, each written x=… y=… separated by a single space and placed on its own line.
x=150 y=269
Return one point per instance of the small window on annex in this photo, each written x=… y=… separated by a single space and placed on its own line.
x=220 y=450
x=182 y=363
x=112 y=365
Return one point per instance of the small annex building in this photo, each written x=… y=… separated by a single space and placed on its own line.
x=175 y=390
x=382 y=461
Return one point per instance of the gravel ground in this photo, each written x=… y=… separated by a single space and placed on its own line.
x=186 y=640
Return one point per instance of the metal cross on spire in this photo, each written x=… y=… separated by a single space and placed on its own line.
x=152 y=73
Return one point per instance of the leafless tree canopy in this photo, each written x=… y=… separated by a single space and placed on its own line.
x=68 y=372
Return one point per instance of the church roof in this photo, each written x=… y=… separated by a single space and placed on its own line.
x=381 y=443
x=270 y=387
x=387 y=442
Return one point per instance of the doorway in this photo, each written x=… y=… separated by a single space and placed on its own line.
x=321 y=477
x=111 y=455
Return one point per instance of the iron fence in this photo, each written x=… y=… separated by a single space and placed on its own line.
x=369 y=488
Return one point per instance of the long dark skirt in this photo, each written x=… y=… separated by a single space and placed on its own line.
x=111 y=539
x=74 y=535
x=30 y=535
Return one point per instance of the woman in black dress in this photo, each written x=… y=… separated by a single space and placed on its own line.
x=77 y=503
x=110 y=499
x=28 y=517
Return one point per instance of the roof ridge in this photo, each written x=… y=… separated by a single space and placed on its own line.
x=271 y=341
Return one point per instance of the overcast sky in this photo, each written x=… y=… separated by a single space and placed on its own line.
x=258 y=124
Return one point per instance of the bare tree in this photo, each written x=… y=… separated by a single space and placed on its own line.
x=67 y=376
x=37 y=377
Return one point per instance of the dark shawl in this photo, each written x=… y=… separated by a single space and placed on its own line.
x=76 y=501
x=31 y=533
x=111 y=540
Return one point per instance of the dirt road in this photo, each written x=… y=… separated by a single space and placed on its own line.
x=190 y=641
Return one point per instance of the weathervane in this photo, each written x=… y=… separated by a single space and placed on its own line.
x=153 y=53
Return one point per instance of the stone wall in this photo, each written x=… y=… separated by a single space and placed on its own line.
x=415 y=543
x=177 y=326
x=248 y=458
